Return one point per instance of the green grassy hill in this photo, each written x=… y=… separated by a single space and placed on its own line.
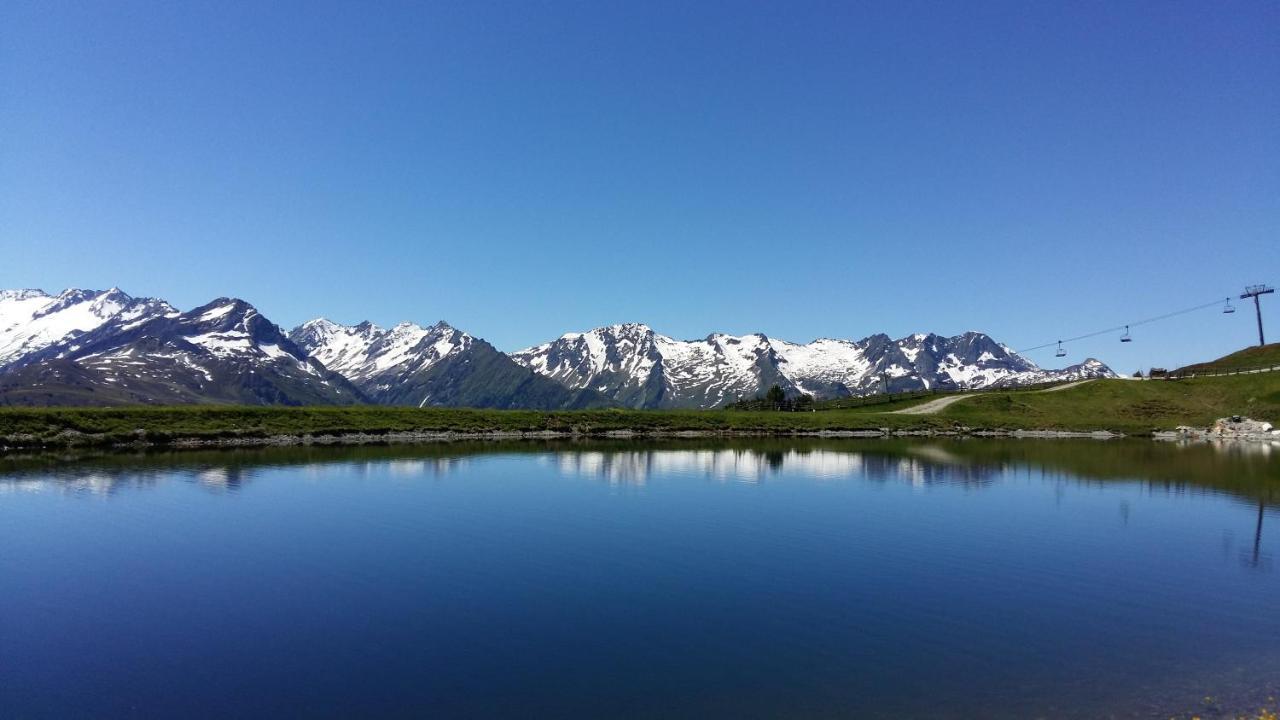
x=1253 y=357
x=1130 y=406
x=1134 y=406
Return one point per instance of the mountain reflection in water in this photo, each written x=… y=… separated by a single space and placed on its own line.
x=1246 y=470
x=925 y=465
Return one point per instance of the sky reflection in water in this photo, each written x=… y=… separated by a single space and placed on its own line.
x=760 y=579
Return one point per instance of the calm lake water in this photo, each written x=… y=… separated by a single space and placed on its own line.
x=864 y=578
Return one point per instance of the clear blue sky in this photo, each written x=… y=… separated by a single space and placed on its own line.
x=1032 y=170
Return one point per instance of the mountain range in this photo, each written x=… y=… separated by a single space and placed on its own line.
x=104 y=347
x=639 y=368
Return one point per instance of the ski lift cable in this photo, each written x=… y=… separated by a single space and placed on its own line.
x=1118 y=328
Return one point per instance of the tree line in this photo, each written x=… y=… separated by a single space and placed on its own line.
x=775 y=398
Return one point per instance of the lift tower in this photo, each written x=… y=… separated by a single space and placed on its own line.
x=1255 y=291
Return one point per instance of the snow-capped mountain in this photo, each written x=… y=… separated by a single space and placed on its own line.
x=224 y=351
x=365 y=351
x=434 y=366
x=640 y=368
x=32 y=320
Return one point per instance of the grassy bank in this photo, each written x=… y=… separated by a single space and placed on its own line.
x=1131 y=407
x=158 y=424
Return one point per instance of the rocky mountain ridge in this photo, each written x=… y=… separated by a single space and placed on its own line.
x=640 y=368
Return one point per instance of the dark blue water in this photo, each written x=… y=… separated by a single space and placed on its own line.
x=856 y=579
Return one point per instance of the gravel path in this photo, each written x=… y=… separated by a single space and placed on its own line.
x=1056 y=388
x=930 y=407
x=934 y=406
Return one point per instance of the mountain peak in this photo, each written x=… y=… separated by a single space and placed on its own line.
x=325 y=326
x=442 y=326
x=23 y=294
x=225 y=300
x=76 y=293
x=222 y=310
x=630 y=327
x=322 y=323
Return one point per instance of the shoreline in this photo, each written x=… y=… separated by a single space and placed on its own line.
x=142 y=440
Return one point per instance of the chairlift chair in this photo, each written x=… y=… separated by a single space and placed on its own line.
x=1228 y=308
x=1125 y=337
x=1061 y=352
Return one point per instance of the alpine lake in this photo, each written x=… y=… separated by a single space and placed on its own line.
x=756 y=578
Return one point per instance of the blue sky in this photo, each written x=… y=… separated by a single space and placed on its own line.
x=1032 y=170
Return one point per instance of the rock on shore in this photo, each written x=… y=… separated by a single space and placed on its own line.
x=1235 y=427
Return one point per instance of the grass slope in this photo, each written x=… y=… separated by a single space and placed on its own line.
x=1256 y=356
x=1128 y=406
